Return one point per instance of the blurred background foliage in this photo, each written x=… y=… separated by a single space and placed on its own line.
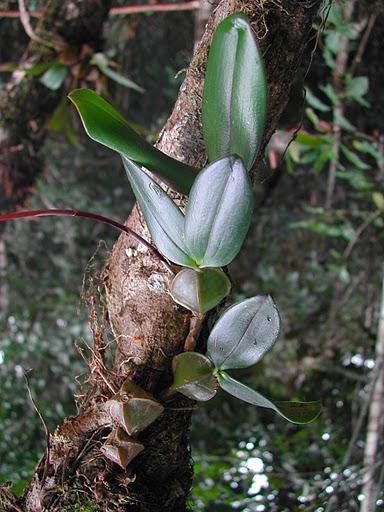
x=316 y=245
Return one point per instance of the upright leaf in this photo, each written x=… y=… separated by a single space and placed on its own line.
x=235 y=92
x=164 y=219
x=219 y=212
x=244 y=333
x=104 y=124
x=296 y=412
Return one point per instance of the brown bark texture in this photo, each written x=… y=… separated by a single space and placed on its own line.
x=148 y=327
x=26 y=104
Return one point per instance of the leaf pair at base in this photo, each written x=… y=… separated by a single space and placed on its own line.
x=239 y=339
x=217 y=216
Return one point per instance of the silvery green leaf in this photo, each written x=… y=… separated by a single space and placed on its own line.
x=218 y=213
x=163 y=218
x=244 y=333
x=296 y=412
x=200 y=290
x=193 y=376
x=235 y=92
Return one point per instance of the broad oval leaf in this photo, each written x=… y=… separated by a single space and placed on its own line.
x=193 y=376
x=218 y=213
x=163 y=218
x=200 y=290
x=244 y=333
x=235 y=92
x=104 y=124
x=296 y=412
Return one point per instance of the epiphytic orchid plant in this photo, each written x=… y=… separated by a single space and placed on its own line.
x=204 y=239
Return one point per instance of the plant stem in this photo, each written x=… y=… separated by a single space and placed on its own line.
x=64 y=212
x=338 y=111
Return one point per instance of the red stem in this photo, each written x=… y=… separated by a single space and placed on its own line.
x=59 y=212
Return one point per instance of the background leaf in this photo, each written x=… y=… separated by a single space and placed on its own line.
x=219 y=212
x=104 y=124
x=296 y=412
x=54 y=77
x=101 y=61
x=244 y=333
x=193 y=376
x=235 y=92
x=163 y=218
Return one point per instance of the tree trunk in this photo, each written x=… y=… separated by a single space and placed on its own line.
x=148 y=327
x=26 y=104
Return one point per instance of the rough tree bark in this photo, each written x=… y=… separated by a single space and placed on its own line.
x=149 y=329
x=26 y=104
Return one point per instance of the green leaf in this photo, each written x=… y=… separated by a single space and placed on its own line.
x=163 y=218
x=244 y=333
x=357 y=88
x=39 y=68
x=219 y=213
x=54 y=77
x=330 y=92
x=333 y=41
x=343 y=122
x=296 y=412
x=322 y=159
x=105 y=125
x=310 y=140
x=101 y=61
x=354 y=159
x=193 y=376
x=314 y=102
x=235 y=92
x=378 y=199
x=200 y=290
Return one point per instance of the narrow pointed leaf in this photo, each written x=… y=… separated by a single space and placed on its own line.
x=200 y=290
x=244 y=333
x=296 y=412
x=163 y=218
x=235 y=92
x=104 y=124
x=193 y=376
x=101 y=61
x=219 y=212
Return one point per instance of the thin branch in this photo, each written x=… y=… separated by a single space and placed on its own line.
x=338 y=111
x=192 y=5
x=25 y=21
x=46 y=431
x=363 y=43
x=138 y=9
x=355 y=434
x=359 y=231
